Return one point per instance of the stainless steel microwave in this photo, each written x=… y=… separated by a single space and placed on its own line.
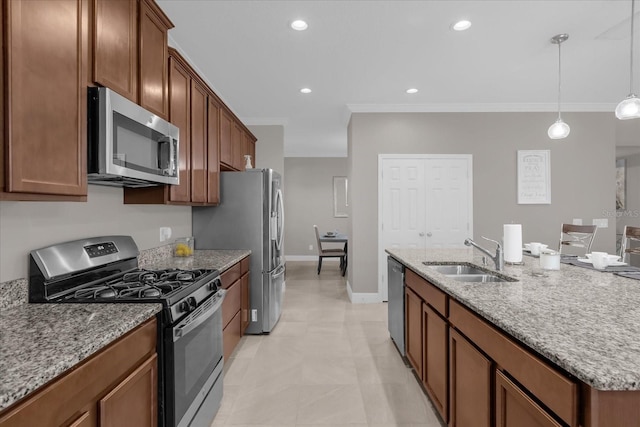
x=129 y=146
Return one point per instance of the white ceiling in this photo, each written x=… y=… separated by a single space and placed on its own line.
x=360 y=56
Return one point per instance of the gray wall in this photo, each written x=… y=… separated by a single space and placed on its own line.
x=269 y=147
x=582 y=173
x=309 y=200
x=25 y=226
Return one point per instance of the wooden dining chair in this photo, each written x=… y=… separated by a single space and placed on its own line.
x=580 y=236
x=629 y=235
x=330 y=253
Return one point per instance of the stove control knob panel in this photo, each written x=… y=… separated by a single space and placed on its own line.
x=188 y=305
x=215 y=285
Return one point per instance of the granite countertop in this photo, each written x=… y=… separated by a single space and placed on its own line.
x=221 y=260
x=38 y=342
x=585 y=321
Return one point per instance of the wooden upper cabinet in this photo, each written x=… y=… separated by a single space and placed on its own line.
x=179 y=115
x=237 y=142
x=45 y=72
x=213 y=151
x=153 y=51
x=198 y=143
x=227 y=129
x=115 y=49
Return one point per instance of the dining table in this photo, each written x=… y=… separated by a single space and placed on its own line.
x=337 y=237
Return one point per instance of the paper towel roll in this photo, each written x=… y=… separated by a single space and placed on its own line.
x=512 y=239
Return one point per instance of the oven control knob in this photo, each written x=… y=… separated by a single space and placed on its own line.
x=213 y=286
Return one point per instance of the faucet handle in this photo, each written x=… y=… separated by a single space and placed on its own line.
x=494 y=241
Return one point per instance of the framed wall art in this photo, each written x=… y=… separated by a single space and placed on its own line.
x=534 y=177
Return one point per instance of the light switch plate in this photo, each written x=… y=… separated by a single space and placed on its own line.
x=165 y=233
x=601 y=222
x=577 y=221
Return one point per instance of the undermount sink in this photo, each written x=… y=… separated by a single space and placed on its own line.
x=458 y=269
x=468 y=273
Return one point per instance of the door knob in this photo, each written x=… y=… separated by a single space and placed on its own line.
x=421 y=234
x=429 y=234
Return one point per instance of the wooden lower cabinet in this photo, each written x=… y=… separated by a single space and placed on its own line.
x=235 y=307
x=470 y=374
x=515 y=409
x=436 y=363
x=134 y=401
x=413 y=330
x=115 y=387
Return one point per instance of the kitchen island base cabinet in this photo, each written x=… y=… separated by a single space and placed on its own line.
x=515 y=409
x=115 y=387
x=470 y=384
x=413 y=331
x=435 y=365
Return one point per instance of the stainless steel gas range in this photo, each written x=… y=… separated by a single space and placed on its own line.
x=105 y=270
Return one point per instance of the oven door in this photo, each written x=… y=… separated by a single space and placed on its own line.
x=194 y=365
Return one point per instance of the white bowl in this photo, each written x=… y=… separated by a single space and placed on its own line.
x=611 y=258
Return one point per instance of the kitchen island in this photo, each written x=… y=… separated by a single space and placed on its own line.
x=582 y=324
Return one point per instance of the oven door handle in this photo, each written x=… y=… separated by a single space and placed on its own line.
x=190 y=324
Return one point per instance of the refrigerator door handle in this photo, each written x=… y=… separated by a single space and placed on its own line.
x=280 y=216
x=279 y=272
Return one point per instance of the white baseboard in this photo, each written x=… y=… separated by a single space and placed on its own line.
x=313 y=258
x=362 y=297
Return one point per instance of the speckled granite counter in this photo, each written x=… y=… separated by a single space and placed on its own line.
x=585 y=321
x=221 y=260
x=38 y=342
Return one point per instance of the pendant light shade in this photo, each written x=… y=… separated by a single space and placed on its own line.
x=559 y=129
x=629 y=108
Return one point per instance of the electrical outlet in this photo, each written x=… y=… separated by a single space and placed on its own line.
x=601 y=222
x=165 y=233
x=254 y=315
x=577 y=221
x=310 y=247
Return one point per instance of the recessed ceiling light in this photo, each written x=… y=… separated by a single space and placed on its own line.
x=305 y=90
x=299 y=25
x=461 y=25
x=412 y=90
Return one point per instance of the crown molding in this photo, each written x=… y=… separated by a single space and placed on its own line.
x=477 y=108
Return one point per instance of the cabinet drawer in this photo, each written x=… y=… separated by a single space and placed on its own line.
x=551 y=387
x=231 y=303
x=429 y=293
x=244 y=265
x=231 y=336
x=230 y=276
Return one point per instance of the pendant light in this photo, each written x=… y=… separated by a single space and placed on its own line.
x=629 y=108
x=559 y=129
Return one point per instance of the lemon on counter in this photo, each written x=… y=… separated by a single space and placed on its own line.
x=183 y=250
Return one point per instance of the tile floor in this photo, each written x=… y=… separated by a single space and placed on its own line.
x=327 y=363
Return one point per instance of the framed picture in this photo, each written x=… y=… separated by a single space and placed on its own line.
x=534 y=177
x=340 y=195
x=621 y=184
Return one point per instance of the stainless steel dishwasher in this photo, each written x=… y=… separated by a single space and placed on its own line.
x=395 y=305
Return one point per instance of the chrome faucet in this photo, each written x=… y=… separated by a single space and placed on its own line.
x=498 y=258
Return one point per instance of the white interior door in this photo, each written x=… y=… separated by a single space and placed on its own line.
x=424 y=201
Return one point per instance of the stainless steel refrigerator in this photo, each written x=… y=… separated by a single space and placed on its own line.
x=250 y=216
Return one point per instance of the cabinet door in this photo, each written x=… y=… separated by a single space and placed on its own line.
x=469 y=384
x=413 y=330
x=46 y=97
x=179 y=115
x=244 y=303
x=435 y=350
x=116 y=46
x=213 y=152
x=232 y=302
x=226 y=139
x=84 y=420
x=133 y=401
x=153 y=60
x=237 y=138
x=515 y=409
x=198 y=119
